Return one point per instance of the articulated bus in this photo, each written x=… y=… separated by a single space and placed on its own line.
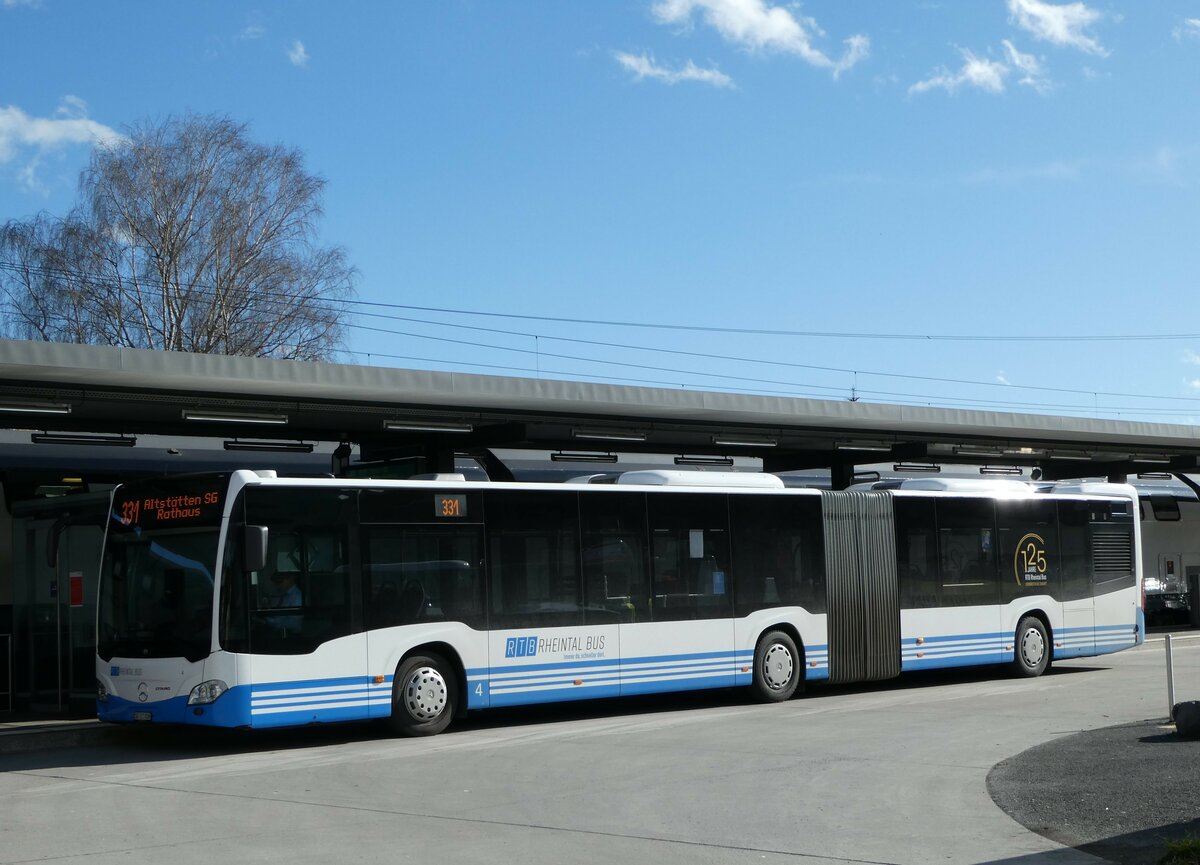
x=247 y=600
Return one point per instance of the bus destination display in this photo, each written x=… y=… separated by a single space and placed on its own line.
x=161 y=506
x=449 y=506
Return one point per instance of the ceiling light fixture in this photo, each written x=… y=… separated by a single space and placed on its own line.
x=582 y=457
x=233 y=417
x=1000 y=470
x=116 y=441
x=18 y=407
x=867 y=447
x=744 y=441
x=685 y=460
x=282 y=447
x=978 y=452
x=418 y=426
x=614 y=435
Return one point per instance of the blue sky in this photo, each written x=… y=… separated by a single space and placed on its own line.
x=1017 y=171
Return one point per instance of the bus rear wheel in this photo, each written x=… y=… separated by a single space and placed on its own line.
x=777 y=668
x=1032 y=648
x=424 y=696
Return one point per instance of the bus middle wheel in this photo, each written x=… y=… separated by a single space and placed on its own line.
x=1032 y=648
x=777 y=667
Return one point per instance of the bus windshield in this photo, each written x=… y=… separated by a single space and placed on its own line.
x=156 y=594
x=157 y=577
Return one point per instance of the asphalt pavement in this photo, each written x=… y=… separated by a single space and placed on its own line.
x=1098 y=780
x=1118 y=792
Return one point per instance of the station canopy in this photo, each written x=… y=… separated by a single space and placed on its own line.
x=97 y=395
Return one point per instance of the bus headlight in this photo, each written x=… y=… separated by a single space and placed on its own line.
x=101 y=692
x=207 y=692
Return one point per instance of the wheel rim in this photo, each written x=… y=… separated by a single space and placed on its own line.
x=425 y=694
x=1033 y=648
x=777 y=666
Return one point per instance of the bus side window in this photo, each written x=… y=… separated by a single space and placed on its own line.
x=917 y=553
x=967 y=552
x=533 y=559
x=690 y=556
x=614 y=557
x=778 y=553
x=1073 y=521
x=304 y=597
x=418 y=573
x=1030 y=560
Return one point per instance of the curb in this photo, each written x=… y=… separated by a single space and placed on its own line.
x=43 y=738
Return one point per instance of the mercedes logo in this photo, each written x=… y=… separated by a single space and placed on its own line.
x=142 y=692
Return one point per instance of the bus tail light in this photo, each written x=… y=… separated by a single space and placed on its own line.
x=207 y=692
x=101 y=692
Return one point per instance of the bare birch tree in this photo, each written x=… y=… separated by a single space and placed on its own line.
x=187 y=237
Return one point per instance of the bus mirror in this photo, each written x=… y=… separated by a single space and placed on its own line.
x=52 y=539
x=254 y=548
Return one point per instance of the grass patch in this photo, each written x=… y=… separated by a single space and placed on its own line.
x=1185 y=851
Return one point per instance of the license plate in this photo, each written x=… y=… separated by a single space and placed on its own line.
x=142 y=716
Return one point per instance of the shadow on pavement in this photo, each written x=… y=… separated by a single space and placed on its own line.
x=138 y=744
x=1145 y=847
x=1117 y=793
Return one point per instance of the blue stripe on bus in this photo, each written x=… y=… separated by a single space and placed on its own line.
x=609 y=662
x=555 y=696
x=529 y=685
x=270 y=704
x=518 y=668
x=941 y=638
x=958 y=660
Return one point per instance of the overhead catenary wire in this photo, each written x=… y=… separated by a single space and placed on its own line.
x=275 y=296
x=920 y=337
x=804 y=333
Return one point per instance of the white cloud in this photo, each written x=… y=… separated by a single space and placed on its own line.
x=1001 y=378
x=297 y=54
x=13 y=4
x=987 y=74
x=1028 y=66
x=755 y=26
x=1060 y=24
x=1063 y=170
x=1194 y=384
x=27 y=177
x=977 y=72
x=1191 y=357
x=643 y=66
x=1189 y=29
x=27 y=140
x=70 y=125
x=255 y=27
x=1169 y=164
x=71 y=107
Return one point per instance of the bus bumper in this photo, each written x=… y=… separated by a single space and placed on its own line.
x=231 y=709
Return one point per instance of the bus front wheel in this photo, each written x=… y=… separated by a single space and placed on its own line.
x=1032 y=647
x=777 y=667
x=423 y=696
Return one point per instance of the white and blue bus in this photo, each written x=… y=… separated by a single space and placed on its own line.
x=247 y=600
